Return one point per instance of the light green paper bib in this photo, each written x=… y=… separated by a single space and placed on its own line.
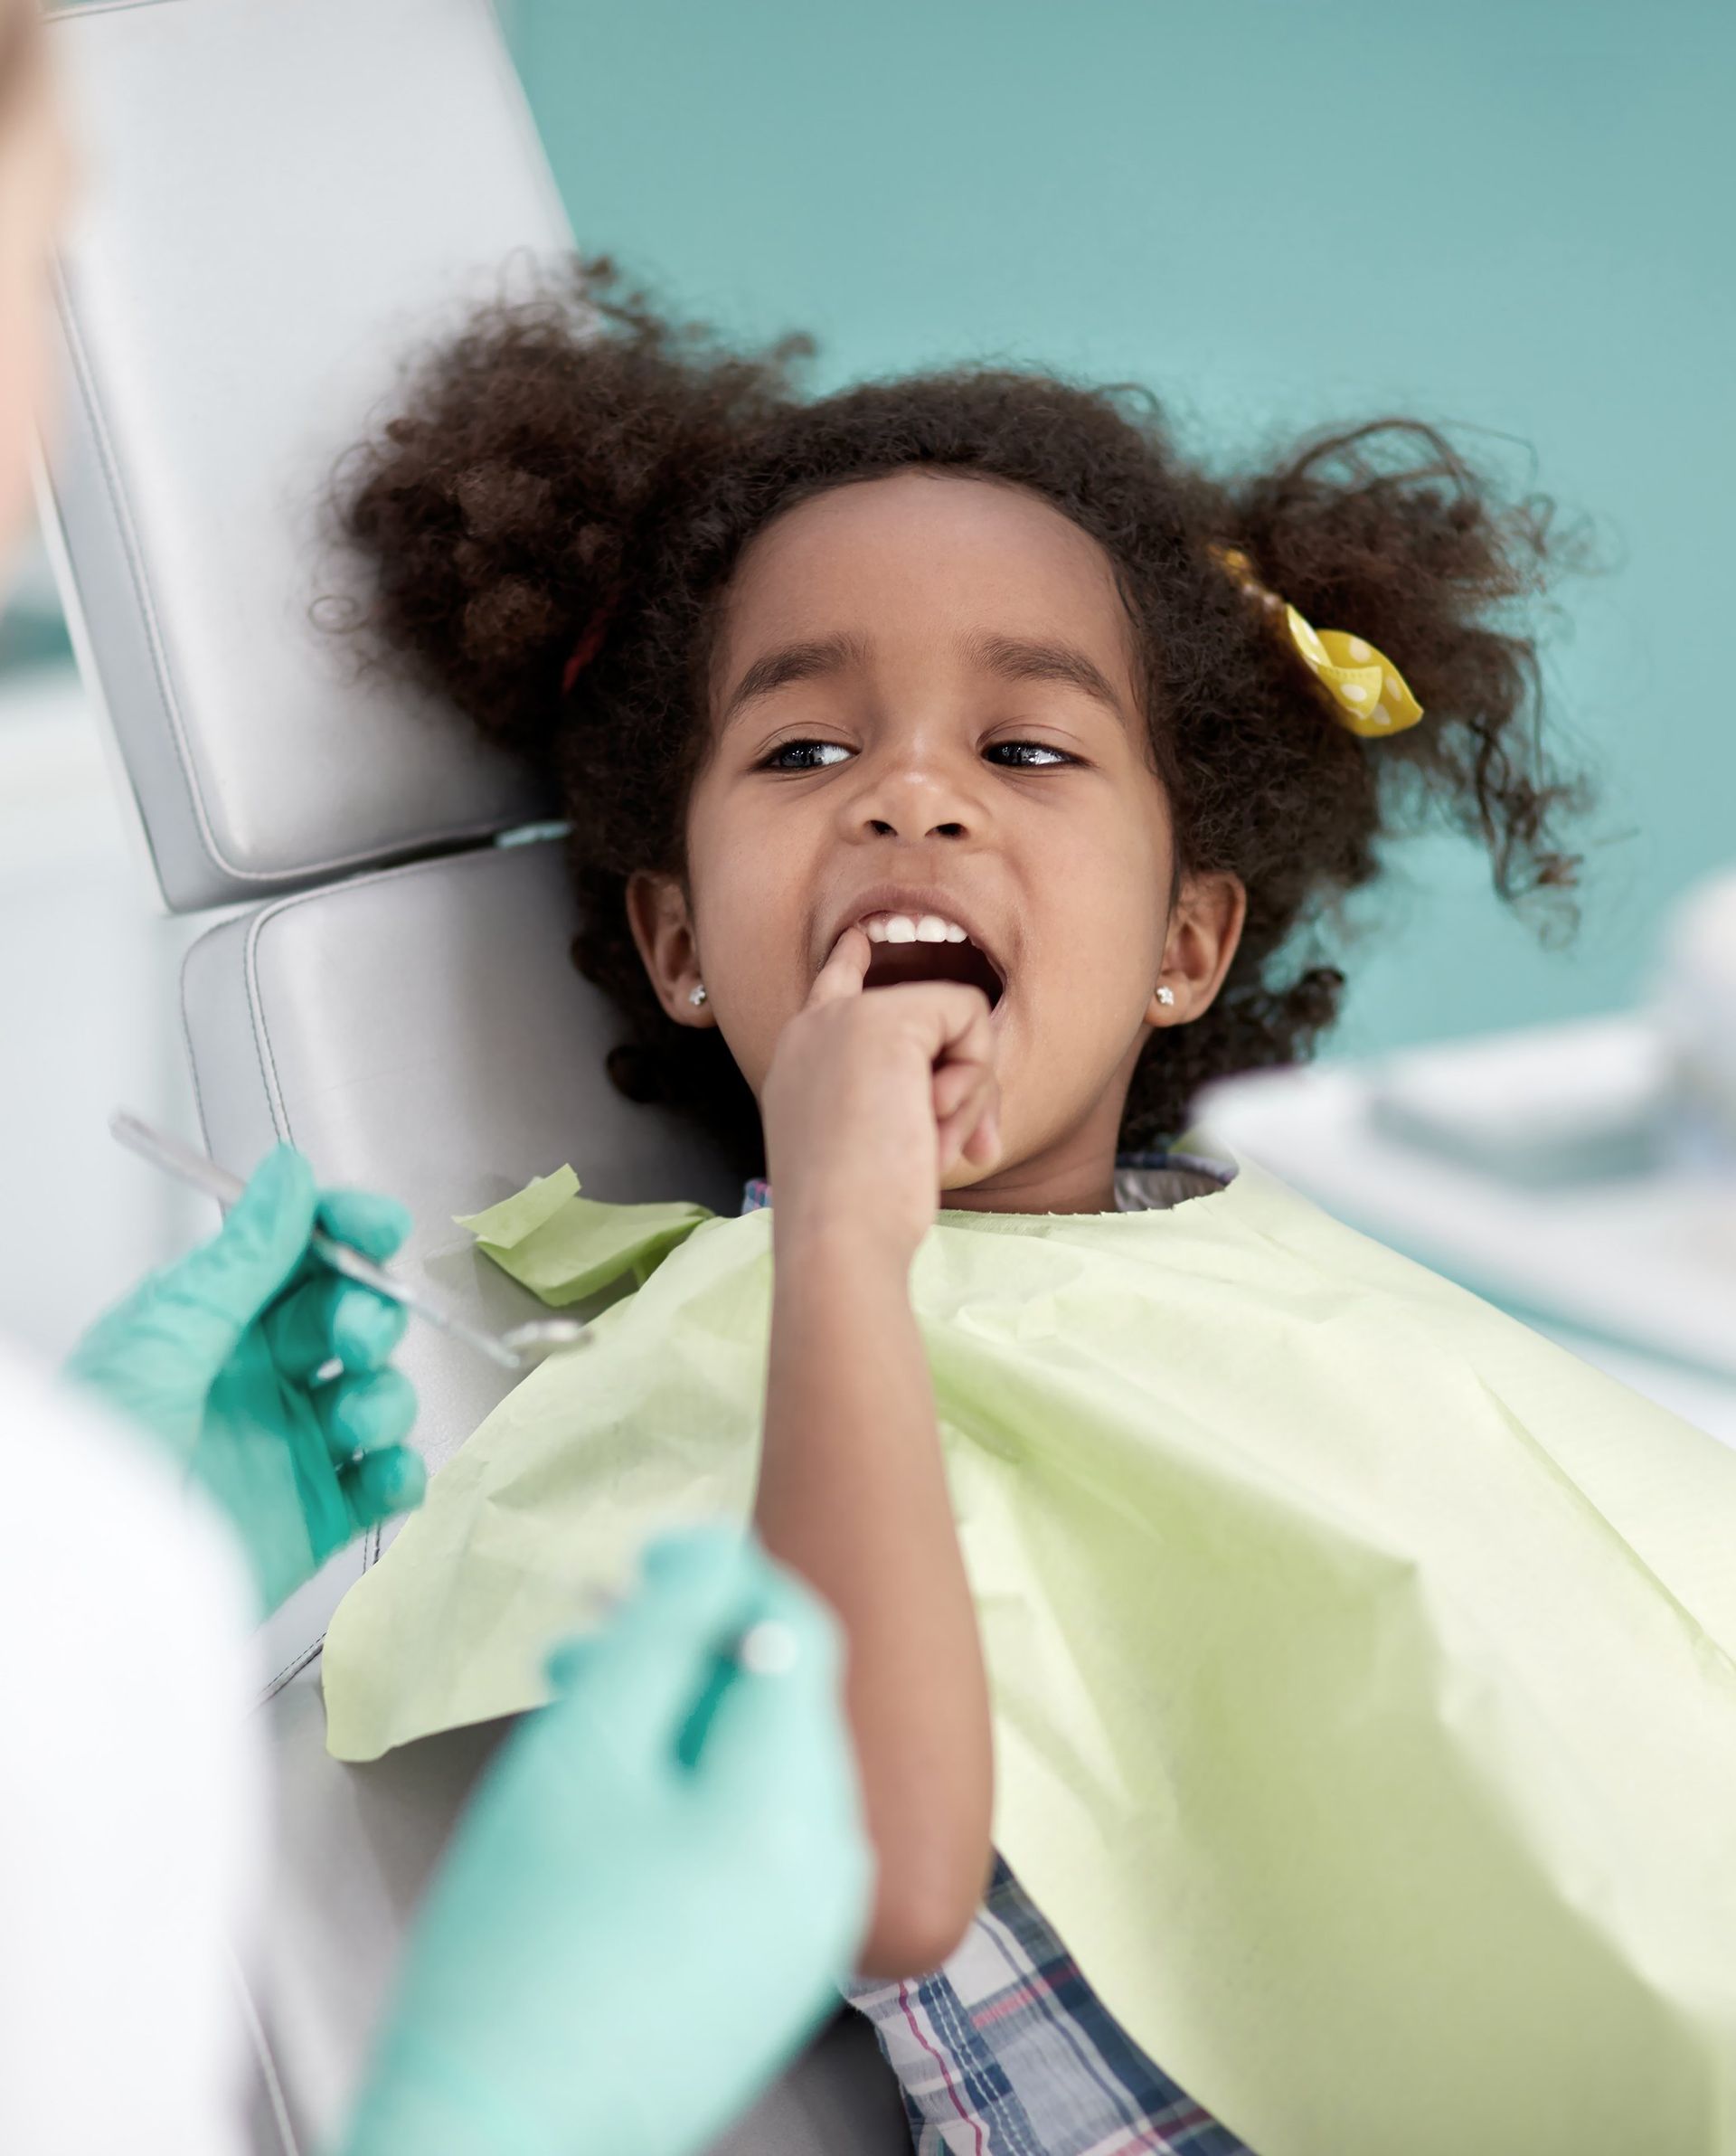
x=1364 y=1717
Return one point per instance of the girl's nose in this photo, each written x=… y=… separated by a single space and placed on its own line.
x=918 y=796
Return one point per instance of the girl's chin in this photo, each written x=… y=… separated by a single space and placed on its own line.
x=965 y=1175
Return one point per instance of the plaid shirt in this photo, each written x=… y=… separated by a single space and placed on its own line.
x=1005 y=2050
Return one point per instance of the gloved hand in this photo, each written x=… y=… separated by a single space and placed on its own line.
x=215 y=1355
x=653 y=1892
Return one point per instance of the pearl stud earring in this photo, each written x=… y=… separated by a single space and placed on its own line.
x=696 y=994
x=1166 y=995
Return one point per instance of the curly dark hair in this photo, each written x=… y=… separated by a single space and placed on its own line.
x=576 y=461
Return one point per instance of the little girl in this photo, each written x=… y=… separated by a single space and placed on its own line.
x=950 y=765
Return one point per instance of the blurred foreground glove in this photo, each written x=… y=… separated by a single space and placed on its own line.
x=654 y=1893
x=216 y=1356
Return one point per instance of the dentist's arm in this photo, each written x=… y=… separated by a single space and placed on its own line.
x=217 y=1358
x=131 y=1788
x=653 y=1894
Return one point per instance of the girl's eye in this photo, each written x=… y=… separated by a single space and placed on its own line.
x=775 y=761
x=816 y=755
x=1032 y=755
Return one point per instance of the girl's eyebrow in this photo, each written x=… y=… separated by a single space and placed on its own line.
x=1039 y=658
x=1014 y=658
x=805 y=660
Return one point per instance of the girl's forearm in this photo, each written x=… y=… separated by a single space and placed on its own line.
x=853 y=1495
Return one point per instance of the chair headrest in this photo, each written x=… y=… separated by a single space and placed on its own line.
x=282 y=201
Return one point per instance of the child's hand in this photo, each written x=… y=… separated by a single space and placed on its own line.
x=872 y=1099
x=869 y=1103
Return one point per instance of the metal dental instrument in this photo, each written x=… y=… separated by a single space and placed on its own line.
x=517 y=1349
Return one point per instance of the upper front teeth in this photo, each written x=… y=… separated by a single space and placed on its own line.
x=905 y=928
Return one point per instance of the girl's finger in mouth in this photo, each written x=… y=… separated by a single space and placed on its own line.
x=845 y=968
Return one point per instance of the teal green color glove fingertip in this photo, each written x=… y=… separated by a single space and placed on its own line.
x=709 y=1549
x=364 y=1412
x=366 y=1220
x=383 y=1483
x=366 y=1328
x=565 y=1661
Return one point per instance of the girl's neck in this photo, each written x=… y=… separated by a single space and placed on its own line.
x=1075 y=1175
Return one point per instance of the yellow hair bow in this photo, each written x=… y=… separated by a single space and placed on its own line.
x=1365 y=690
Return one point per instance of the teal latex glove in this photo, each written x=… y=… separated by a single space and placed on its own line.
x=653 y=1895
x=216 y=1358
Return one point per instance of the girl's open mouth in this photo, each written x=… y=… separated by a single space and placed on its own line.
x=964 y=961
x=915 y=941
x=923 y=934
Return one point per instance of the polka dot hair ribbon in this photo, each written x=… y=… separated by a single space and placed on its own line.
x=1365 y=690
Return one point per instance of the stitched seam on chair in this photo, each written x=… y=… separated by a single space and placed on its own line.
x=275 y=1684
x=186 y=1043
x=261 y=1047
x=460 y=839
x=115 y=493
x=256 y=925
x=267 y=2065
x=391 y=875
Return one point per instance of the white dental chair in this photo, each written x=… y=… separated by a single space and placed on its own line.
x=281 y=199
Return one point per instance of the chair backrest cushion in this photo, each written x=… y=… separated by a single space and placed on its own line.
x=422 y=1031
x=282 y=200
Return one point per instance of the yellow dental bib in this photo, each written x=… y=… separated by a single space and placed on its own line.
x=1364 y=1714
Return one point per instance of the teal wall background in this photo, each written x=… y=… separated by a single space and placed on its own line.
x=1511 y=216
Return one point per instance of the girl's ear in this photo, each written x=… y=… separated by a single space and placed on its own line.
x=1203 y=932
x=656 y=912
